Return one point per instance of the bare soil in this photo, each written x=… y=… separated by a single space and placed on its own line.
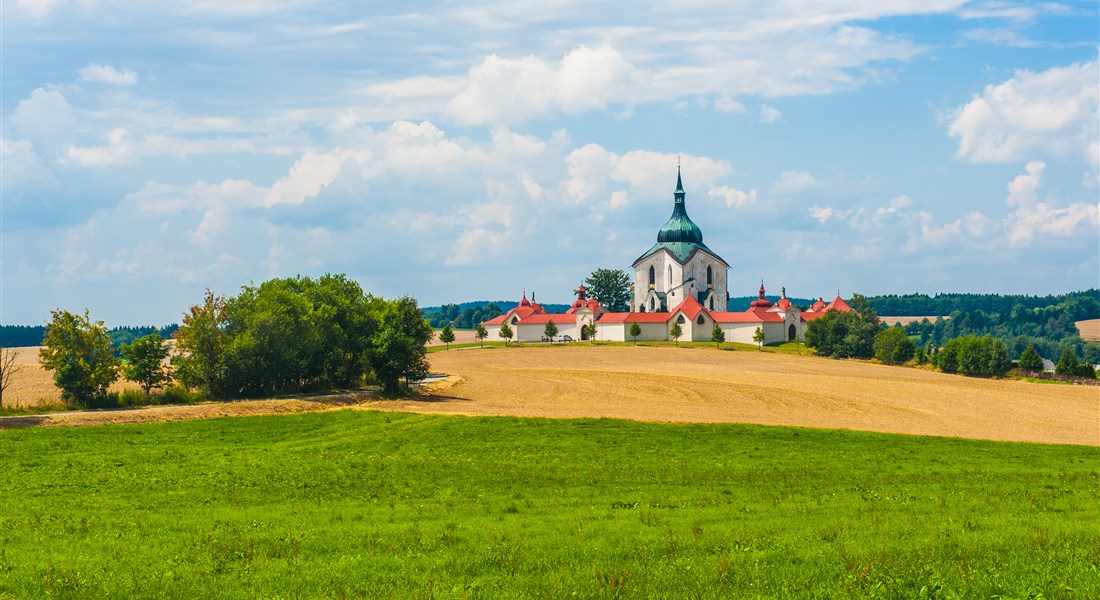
x=701 y=385
x=1090 y=330
x=907 y=320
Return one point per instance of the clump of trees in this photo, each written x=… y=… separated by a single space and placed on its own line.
x=145 y=362
x=845 y=334
x=1069 y=366
x=464 y=316
x=984 y=356
x=299 y=334
x=892 y=346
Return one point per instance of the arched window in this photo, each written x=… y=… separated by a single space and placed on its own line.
x=710 y=277
x=668 y=284
x=699 y=319
x=652 y=304
x=791 y=332
x=712 y=302
x=652 y=275
x=681 y=320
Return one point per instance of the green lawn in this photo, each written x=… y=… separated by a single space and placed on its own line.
x=390 y=505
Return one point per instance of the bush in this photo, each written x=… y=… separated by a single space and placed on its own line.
x=175 y=394
x=1030 y=360
x=893 y=347
x=976 y=356
x=1067 y=365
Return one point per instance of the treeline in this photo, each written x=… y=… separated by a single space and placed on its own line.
x=462 y=316
x=1049 y=329
x=283 y=336
x=963 y=344
x=1081 y=305
x=21 y=336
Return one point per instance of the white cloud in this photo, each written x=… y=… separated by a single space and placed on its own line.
x=21 y=168
x=792 y=182
x=1033 y=217
x=769 y=114
x=825 y=213
x=502 y=90
x=46 y=118
x=311 y=173
x=726 y=104
x=733 y=197
x=1052 y=113
x=96 y=73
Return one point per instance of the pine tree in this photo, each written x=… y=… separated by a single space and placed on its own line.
x=1030 y=360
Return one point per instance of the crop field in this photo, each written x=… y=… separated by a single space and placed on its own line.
x=369 y=504
x=704 y=385
x=33 y=385
x=1090 y=330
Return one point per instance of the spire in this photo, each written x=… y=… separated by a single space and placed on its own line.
x=761 y=289
x=680 y=227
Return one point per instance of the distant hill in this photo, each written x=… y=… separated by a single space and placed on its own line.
x=22 y=336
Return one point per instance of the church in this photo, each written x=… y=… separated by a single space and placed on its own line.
x=677 y=281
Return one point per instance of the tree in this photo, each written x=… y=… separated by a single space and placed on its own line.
x=201 y=341
x=845 y=334
x=635 y=331
x=1067 y=364
x=717 y=336
x=550 y=330
x=398 y=348
x=506 y=332
x=79 y=353
x=758 y=337
x=447 y=336
x=893 y=347
x=8 y=369
x=1030 y=360
x=480 y=333
x=611 y=287
x=675 y=332
x=589 y=331
x=983 y=356
x=145 y=362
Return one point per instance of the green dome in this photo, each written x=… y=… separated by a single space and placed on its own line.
x=680 y=227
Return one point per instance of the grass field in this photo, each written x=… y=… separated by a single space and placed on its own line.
x=363 y=504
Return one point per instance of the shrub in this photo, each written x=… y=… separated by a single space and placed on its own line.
x=893 y=347
x=975 y=356
x=1030 y=360
x=1067 y=365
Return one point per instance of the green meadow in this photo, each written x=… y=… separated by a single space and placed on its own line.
x=359 y=504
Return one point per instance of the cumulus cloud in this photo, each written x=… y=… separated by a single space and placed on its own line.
x=733 y=197
x=503 y=90
x=769 y=114
x=825 y=213
x=1033 y=217
x=46 y=118
x=1049 y=113
x=96 y=73
x=726 y=104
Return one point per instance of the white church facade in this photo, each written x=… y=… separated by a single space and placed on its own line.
x=677 y=281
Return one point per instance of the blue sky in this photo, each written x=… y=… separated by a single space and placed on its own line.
x=463 y=151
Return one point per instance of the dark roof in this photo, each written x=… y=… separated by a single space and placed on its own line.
x=679 y=235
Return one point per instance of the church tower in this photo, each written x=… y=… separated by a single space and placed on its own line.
x=679 y=265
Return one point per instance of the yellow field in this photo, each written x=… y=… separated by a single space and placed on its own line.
x=704 y=385
x=671 y=384
x=33 y=385
x=1090 y=330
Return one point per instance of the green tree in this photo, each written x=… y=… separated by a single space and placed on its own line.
x=1067 y=364
x=550 y=330
x=635 y=331
x=79 y=353
x=447 y=336
x=611 y=287
x=8 y=370
x=977 y=356
x=845 y=334
x=200 y=341
x=398 y=349
x=480 y=333
x=144 y=364
x=1030 y=360
x=675 y=332
x=893 y=347
x=589 y=330
x=758 y=337
x=717 y=336
x=506 y=332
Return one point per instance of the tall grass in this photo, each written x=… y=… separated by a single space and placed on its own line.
x=382 y=505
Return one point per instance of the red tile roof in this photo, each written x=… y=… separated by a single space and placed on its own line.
x=839 y=304
x=747 y=317
x=497 y=320
x=691 y=307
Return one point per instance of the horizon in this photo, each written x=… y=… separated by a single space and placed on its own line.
x=441 y=152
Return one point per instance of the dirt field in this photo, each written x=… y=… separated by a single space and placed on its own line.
x=906 y=320
x=690 y=385
x=462 y=336
x=1090 y=330
x=702 y=385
